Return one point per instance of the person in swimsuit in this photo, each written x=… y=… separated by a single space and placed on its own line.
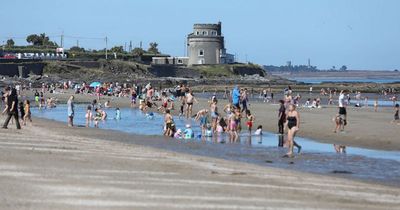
x=89 y=115
x=214 y=114
x=169 y=124
x=376 y=104
x=250 y=120
x=233 y=129
x=27 y=110
x=292 y=123
x=189 y=99
x=71 y=111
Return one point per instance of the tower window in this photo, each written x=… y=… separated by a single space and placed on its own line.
x=201 y=52
x=197 y=32
x=214 y=33
x=205 y=33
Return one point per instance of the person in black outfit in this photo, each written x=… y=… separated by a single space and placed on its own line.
x=12 y=109
x=281 y=117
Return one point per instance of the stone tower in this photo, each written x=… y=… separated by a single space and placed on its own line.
x=206 y=44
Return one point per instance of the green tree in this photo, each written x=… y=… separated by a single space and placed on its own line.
x=10 y=43
x=343 y=68
x=137 y=51
x=153 y=48
x=40 y=40
x=117 y=49
x=77 y=49
x=34 y=39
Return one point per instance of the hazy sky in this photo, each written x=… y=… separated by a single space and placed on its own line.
x=362 y=34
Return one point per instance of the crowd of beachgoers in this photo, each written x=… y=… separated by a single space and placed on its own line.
x=179 y=101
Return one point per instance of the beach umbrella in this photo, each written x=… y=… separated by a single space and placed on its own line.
x=95 y=84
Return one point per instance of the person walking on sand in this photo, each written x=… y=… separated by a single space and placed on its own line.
x=396 y=114
x=71 y=111
x=27 y=109
x=11 y=108
x=293 y=125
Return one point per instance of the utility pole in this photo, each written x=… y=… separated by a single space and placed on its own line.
x=184 y=47
x=106 y=48
x=62 y=42
x=62 y=39
x=130 y=46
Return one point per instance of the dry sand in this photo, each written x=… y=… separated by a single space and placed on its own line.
x=50 y=166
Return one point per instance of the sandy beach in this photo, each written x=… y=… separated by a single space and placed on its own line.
x=50 y=166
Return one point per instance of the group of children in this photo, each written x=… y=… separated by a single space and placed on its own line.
x=212 y=122
x=99 y=113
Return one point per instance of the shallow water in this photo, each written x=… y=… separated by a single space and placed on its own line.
x=383 y=166
x=319 y=80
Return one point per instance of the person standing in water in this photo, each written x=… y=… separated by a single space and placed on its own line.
x=293 y=125
x=189 y=100
x=71 y=111
x=281 y=117
x=376 y=104
x=88 y=115
x=250 y=120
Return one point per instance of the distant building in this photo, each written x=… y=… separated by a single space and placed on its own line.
x=170 y=61
x=206 y=45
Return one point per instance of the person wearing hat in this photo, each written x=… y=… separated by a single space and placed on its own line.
x=188 y=133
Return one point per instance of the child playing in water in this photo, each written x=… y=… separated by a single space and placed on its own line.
x=178 y=134
x=233 y=128
x=97 y=117
x=150 y=115
x=258 y=132
x=250 y=120
x=117 y=114
x=188 y=133
x=339 y=123
x=181 y=112
x=209 y=131
x=340 y=148
x=89 y=115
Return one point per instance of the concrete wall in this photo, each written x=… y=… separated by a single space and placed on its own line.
x=173 y=71
x=11 y=69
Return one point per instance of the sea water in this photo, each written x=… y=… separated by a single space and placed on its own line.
x=137 y=122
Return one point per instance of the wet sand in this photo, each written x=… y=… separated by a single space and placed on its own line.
x=366 y=128
x=51 y=166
